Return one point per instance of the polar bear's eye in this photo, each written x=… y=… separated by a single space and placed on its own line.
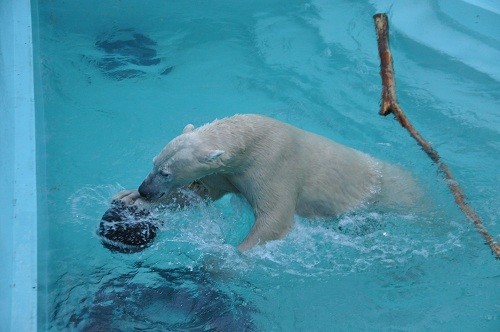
x=164 y=173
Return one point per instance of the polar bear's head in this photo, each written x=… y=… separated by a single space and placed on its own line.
x=186 y=158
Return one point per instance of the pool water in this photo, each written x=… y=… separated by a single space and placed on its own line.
x=109 y=106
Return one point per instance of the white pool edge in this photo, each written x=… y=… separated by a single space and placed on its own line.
x=18 y=193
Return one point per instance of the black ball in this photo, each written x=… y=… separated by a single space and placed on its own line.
x=127 y=228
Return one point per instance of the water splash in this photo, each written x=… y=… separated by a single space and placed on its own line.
x=349 y=244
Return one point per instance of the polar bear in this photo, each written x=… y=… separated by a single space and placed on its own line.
x=281 y=170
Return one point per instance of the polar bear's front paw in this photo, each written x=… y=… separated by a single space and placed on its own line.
x=131 y=197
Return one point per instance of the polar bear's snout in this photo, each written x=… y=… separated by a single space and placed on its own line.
x=145 y=188
x=157 y=184
x=152 y=187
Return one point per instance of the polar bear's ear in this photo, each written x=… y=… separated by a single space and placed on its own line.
x=187 y=129
x=213 y=155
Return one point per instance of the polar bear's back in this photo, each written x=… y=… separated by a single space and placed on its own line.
x=328 y=178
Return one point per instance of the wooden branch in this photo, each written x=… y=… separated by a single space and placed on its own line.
x=389 y=104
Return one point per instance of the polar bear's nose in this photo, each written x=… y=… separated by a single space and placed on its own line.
x=143 y=192
x=145 y=188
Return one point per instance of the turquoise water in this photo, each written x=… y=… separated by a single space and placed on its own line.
x=313 y=64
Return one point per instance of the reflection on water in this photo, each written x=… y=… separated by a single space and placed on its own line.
x=125 y=53
x=179 y=299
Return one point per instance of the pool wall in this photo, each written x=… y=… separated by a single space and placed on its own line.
x=18 y=194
